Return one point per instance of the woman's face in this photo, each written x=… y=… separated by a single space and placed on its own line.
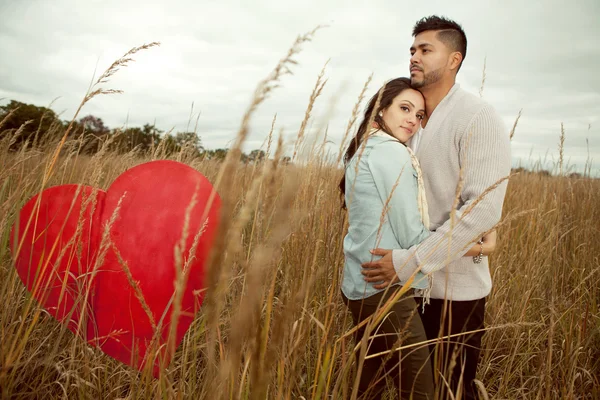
x=403 y=117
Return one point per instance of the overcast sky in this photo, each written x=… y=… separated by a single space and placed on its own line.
x=542 y=57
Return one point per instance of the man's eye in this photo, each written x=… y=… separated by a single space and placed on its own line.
x=425 y=50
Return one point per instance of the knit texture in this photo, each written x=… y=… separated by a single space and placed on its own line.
x=466 y=142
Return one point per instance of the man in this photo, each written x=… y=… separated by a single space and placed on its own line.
x=464 y=151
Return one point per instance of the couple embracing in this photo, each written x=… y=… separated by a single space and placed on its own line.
x=422 y=194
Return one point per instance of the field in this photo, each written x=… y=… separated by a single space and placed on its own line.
x=273 y=324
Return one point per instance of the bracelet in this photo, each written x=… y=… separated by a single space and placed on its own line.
x=478 y=258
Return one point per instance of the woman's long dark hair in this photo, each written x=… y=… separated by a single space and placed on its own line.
x=390 y=90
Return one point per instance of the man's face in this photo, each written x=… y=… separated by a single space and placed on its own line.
x=429 y=61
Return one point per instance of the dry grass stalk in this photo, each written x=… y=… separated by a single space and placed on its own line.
x=514 y=127
x=7 y=116
x=483 y=195
x=135 y=286
x=561 y=149
x=93 y=92
x=218 y=257
x=319 y=85
x=18 y=132
x=483 y=77
x=353 y=118
x=270 y=138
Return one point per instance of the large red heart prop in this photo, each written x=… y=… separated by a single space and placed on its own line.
x=107 y=263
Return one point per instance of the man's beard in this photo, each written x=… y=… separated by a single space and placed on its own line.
x=428 y=79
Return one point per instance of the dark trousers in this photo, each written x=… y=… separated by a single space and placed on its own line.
x=455 y=358
x=409 y=368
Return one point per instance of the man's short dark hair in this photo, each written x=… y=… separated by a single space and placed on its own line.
x=448 y=32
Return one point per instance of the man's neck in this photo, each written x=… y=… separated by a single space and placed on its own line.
x=434 y=94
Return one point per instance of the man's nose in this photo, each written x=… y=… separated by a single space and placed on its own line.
x=414 y=59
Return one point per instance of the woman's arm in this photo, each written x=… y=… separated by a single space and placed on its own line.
x=489 y=246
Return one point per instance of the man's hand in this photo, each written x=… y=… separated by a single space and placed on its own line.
x=381 y=270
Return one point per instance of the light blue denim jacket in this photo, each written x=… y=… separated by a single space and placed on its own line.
x=384 y=168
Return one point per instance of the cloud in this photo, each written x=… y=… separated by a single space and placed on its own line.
x=541 y=58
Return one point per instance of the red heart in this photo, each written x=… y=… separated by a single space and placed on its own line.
x=145 y=230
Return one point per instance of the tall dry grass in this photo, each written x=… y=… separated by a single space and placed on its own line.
x=273 y=325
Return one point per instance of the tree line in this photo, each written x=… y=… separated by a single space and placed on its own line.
x=32 y=126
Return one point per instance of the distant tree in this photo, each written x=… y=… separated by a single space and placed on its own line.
x=143 y=139
x=93 y=124
x=219 y=154
x=189 y=140
x=256 y=156
x=36 y=123
x=92 y=131
x=169 y=145
x=152 y=132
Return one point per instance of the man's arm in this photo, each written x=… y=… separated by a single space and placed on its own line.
x=484 y=156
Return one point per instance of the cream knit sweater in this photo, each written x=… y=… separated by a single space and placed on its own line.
x=465 y=138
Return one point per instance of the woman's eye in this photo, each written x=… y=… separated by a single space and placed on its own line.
x=420 y=117
x=404 y=108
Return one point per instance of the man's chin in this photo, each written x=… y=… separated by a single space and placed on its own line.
x=416 y=83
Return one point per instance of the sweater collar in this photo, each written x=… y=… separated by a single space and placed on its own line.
x=437 y=118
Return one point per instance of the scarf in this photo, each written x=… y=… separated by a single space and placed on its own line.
x=421 y=197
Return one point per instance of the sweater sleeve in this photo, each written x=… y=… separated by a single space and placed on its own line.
x=396 y=184
x=484 y=157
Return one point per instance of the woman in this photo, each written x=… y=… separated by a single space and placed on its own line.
x=385 y=198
